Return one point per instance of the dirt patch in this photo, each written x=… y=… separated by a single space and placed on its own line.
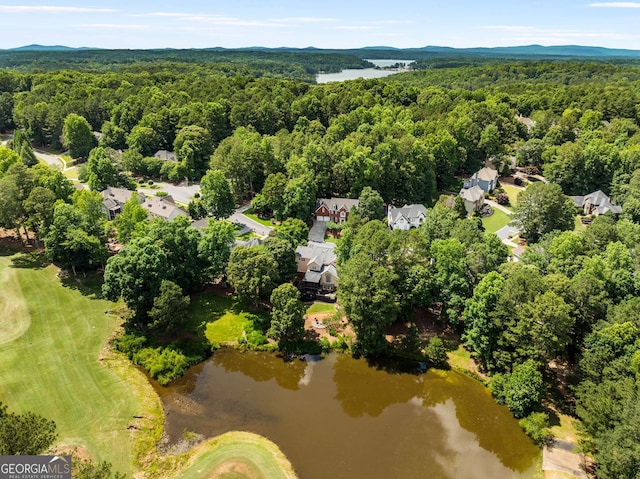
x=560 y=457
x=78 y=452
x=235 y=469
x=312 y=321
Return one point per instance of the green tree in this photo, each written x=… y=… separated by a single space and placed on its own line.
x=369 y=298
x=451 y=283
x=299 y=197
x=132 y=215
x=371 y=205
x=294 y=231
x=8 y=157
x=215 y=246
x=136 y=274
x=273 y=193
x=215 y=195
x=112 y=136
x=103 y=172
x=521 y=390
x=143 y=139
x=39 y=208
x=541 y=209
x=193 y=146
x=482 y=331
x=169 y=307
x=284 y=254
x=77 y=136
x=287 y=322
x=252 y=273
x=26 y=434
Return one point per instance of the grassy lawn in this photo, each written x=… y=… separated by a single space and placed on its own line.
x=49 y=360
x=496 y=221
x=240 y=455
x=319 y=307
x=579 y=227
x=249 y=214
x=512 y=192
x=224 y=319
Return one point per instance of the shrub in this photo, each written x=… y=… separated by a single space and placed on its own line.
x=129 y=344
x=502 y=199
x=256 y=339
x=535 y=426
x=436 y=353
x=521 y=390
x=162 y=364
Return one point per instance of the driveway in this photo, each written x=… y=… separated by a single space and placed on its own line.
x=317 y=231
x=180 y=193
x=239 y=218
x=499 y=207
x=53 y=160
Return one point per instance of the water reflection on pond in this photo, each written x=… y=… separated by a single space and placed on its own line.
x=343 y=418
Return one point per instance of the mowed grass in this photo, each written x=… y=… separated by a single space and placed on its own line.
x=496 y=221
x=224 y=319
x=512 y=192
x=240 y=455
x=250 y=214
x=319 y=307
x=53 y=369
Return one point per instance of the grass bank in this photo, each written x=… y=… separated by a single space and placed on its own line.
x=496 y=221
x=237 y=455
x=53 y=367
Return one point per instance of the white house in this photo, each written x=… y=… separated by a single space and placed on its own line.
x=407 y=217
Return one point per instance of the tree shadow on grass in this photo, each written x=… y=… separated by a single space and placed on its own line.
x=88 y=284
x=31 y=260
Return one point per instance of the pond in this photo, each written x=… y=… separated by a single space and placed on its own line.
x=353 y=74
x=341 y=417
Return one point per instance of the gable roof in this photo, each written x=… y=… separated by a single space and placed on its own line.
x=163 y=207
x=317 y=253
x=599 y=200
x=487 y=174
x=408 y=211
x=165 y=155
x=335 y=204
x=118 y=195
x=472 y=194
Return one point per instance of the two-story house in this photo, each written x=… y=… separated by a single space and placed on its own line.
x=334 y=209
x=407 y=217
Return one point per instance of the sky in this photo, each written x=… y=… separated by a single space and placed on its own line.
x=141 y=24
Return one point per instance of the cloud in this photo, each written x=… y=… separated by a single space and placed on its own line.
x=540 y=35
x=354 y=27
x=616 y=5
x=114 y=26
x=220 y=20
x=304 y=20
x=50 y=9
x=511 y=28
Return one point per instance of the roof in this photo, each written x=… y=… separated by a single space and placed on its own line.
x=163 y=207
x=408 y=211
x=472 y=194
x=316 y=276
x=317 y=253
x=165 y=155
x=599 y=200
x=487 y=174
x=335 y=204
x=119 y=195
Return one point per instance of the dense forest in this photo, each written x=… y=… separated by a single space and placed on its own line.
x=256 y=132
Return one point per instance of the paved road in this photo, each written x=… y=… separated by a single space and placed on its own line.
x=258 y=228
x=53 y=160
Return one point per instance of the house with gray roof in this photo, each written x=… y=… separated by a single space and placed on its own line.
x=473 y=198
x=162 y=207
x=486 y=178
x=317 y=267
x=113 y=199
x=407 y=217
x=334 y=209
x=596 y=203
x=165 y=155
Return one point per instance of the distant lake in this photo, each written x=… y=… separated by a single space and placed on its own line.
x=353 y=74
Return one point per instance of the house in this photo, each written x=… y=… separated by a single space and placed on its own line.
x=473 y=198
x=165 y=155
x=486 y=178
x=334 y=209
x=162 y=207
x=113 y=199
x=407 y=217
x=596 y=203
x=317 y=266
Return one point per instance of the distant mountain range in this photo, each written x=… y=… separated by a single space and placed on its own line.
x=377 y=52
